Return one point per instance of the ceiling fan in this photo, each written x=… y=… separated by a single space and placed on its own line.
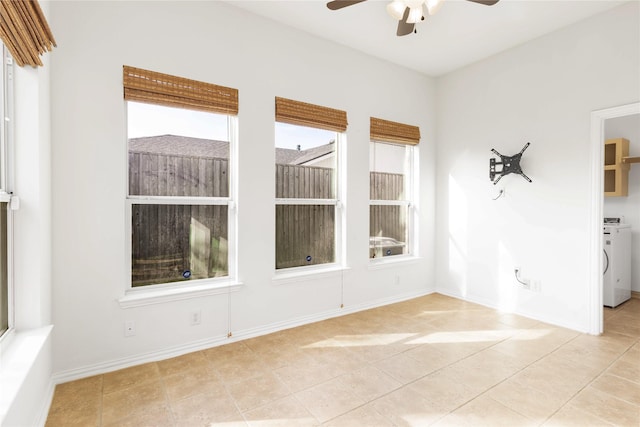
x=407 y=12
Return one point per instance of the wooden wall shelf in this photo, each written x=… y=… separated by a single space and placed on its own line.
x=616 y=167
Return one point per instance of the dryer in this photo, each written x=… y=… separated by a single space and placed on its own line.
x=616 y=287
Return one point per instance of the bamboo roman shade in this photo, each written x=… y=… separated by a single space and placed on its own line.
x=163 y=89
x=24 y=31
x=303 y=114
x=387 y=131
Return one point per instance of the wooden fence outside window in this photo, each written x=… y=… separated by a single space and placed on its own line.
x=168 y=240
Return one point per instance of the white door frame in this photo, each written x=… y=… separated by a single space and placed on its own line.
x=596 y=195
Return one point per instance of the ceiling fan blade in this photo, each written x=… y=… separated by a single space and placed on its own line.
x=485 y=2
x=339 y=4
x=404 y=28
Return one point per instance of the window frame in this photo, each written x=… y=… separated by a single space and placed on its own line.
x=7 y=179
x=409 y=201
x=161 y=292
x=339 y=214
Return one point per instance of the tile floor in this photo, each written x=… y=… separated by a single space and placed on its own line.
x=433 y=360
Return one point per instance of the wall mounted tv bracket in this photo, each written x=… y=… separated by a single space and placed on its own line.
x=509 y=164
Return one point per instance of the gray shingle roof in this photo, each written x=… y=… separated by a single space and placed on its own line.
x=175 y=145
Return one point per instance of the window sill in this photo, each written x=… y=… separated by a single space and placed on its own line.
x=142 y=297
x=17 y=362
x=380 y=263
x=304 y=274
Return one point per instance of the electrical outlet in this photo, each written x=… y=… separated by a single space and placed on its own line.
x=537 y=286
x=396 y=280
x=196 y=317
x=129 y=328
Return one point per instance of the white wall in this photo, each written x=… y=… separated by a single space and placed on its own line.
x=541 y=92
x=629 y=207
x=217 y=43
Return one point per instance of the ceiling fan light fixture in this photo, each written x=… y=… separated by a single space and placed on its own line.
x=433 y=6
x=415 y=15
x=396 y=9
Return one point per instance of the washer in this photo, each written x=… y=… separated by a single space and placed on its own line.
x=616 y=287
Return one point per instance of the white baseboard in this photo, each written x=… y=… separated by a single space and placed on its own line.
x=126 y=362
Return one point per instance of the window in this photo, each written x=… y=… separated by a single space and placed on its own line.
x=391 y=189
x=181 y=188
x=308 y=215
x=6 y=141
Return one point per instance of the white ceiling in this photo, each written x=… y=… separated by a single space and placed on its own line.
x=459 y=34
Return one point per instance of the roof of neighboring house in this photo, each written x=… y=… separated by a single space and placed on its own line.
x=175 y=145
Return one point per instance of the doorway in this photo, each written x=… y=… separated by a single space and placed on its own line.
x=598 y=124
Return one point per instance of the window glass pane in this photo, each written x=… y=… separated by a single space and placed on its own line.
x=388 y=170
x=4 y=282
x=177 y=152
x=387 y=231
x=172 y=243
x=305 y=235
x=305 y=162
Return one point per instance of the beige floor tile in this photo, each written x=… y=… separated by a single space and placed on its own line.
x=369 y=383
x=74 y=417
x=618 y=387
x=442 y=391
x=131 y=401
x=190 y=382
x=182 y=363
x=373 y=351
x=431 y=353
x=85 y=389
x=135 y=375
x=484 y=411
x=286 y=412
x=278 y=357
x=570 y=416
x=302 y=376
x=406 y=369
x=477 y=374
x=558 y=377
x=215 y=408
x=626 y=368
x=526 y=352
x=77 y=403
x=258 y=391
x=546 y=382
x=607 y=407
x=329 y=400
x=363 y=416
x=240 y=368
x=340 y=359
x=157 y=417
x=456 y=351
x=625 y=324
x=404 y=407
x=527 y=401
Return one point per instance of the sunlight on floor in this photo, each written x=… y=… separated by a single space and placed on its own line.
x=433 y=338
x=480 y=336
x=360 y=340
